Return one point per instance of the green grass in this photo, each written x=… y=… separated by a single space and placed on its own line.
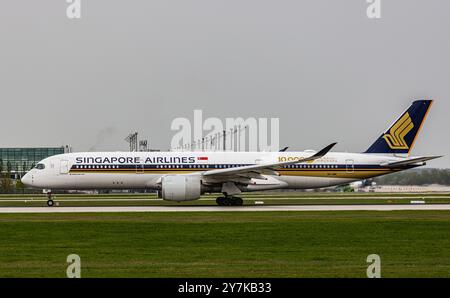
x=225 y=244
x=271 y=198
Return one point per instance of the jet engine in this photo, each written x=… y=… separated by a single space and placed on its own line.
x=181 y=187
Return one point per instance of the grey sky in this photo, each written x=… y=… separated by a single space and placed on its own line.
x=326 y=70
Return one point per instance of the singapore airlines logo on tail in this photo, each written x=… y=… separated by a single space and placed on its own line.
x=396 y=136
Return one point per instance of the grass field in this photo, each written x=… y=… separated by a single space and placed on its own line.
x=244 y=244
x=270 y=198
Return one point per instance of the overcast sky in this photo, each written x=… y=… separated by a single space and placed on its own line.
x=326 y=70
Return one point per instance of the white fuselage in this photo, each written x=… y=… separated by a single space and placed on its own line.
x=143 y=170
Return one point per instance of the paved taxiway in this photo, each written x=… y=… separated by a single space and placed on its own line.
x=229 y=209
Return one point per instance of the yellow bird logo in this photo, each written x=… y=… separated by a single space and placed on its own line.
x=396 y=136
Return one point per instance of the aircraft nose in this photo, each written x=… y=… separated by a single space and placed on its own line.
x=27 y=180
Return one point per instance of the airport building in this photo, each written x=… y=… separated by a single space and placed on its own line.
x=18 y=161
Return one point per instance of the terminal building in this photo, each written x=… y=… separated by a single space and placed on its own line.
x=18 y=161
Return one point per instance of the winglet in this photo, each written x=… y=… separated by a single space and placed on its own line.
x=318 y=155
x=324 y=151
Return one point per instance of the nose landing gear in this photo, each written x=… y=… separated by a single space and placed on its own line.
x=50 y=202
x=229 y=201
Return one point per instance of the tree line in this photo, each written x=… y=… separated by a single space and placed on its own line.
x=7 y=183
x=424 y=176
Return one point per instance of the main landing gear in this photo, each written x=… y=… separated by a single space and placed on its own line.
x=229 y=201
x=50 y=202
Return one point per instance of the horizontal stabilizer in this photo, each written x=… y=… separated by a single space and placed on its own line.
x=409 y=161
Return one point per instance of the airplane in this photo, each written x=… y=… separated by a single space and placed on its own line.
x=185 y=176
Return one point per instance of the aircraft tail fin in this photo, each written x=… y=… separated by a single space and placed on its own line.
x=400 y=136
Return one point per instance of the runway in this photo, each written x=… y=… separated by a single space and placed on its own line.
x=260 y=198
x=224 y=209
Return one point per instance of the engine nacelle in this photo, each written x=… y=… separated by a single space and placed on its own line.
x=181 y=187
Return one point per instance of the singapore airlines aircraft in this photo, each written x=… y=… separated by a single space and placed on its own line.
x=185 y=176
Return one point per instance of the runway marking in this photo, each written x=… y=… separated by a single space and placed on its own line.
x=224 y=209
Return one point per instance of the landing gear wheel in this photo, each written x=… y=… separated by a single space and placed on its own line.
x=229 y=201
x=237 y=201
x=50 y=202
x=220 y=201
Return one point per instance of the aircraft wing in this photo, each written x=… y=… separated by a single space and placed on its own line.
x=409 y=161
x=261 y=168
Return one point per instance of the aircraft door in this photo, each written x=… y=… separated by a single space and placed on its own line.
x=349 y=166
x=64 y=167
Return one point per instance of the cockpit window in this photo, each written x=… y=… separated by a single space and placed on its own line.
x=40 y=166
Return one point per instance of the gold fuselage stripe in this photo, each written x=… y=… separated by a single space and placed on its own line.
x=329 y=173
